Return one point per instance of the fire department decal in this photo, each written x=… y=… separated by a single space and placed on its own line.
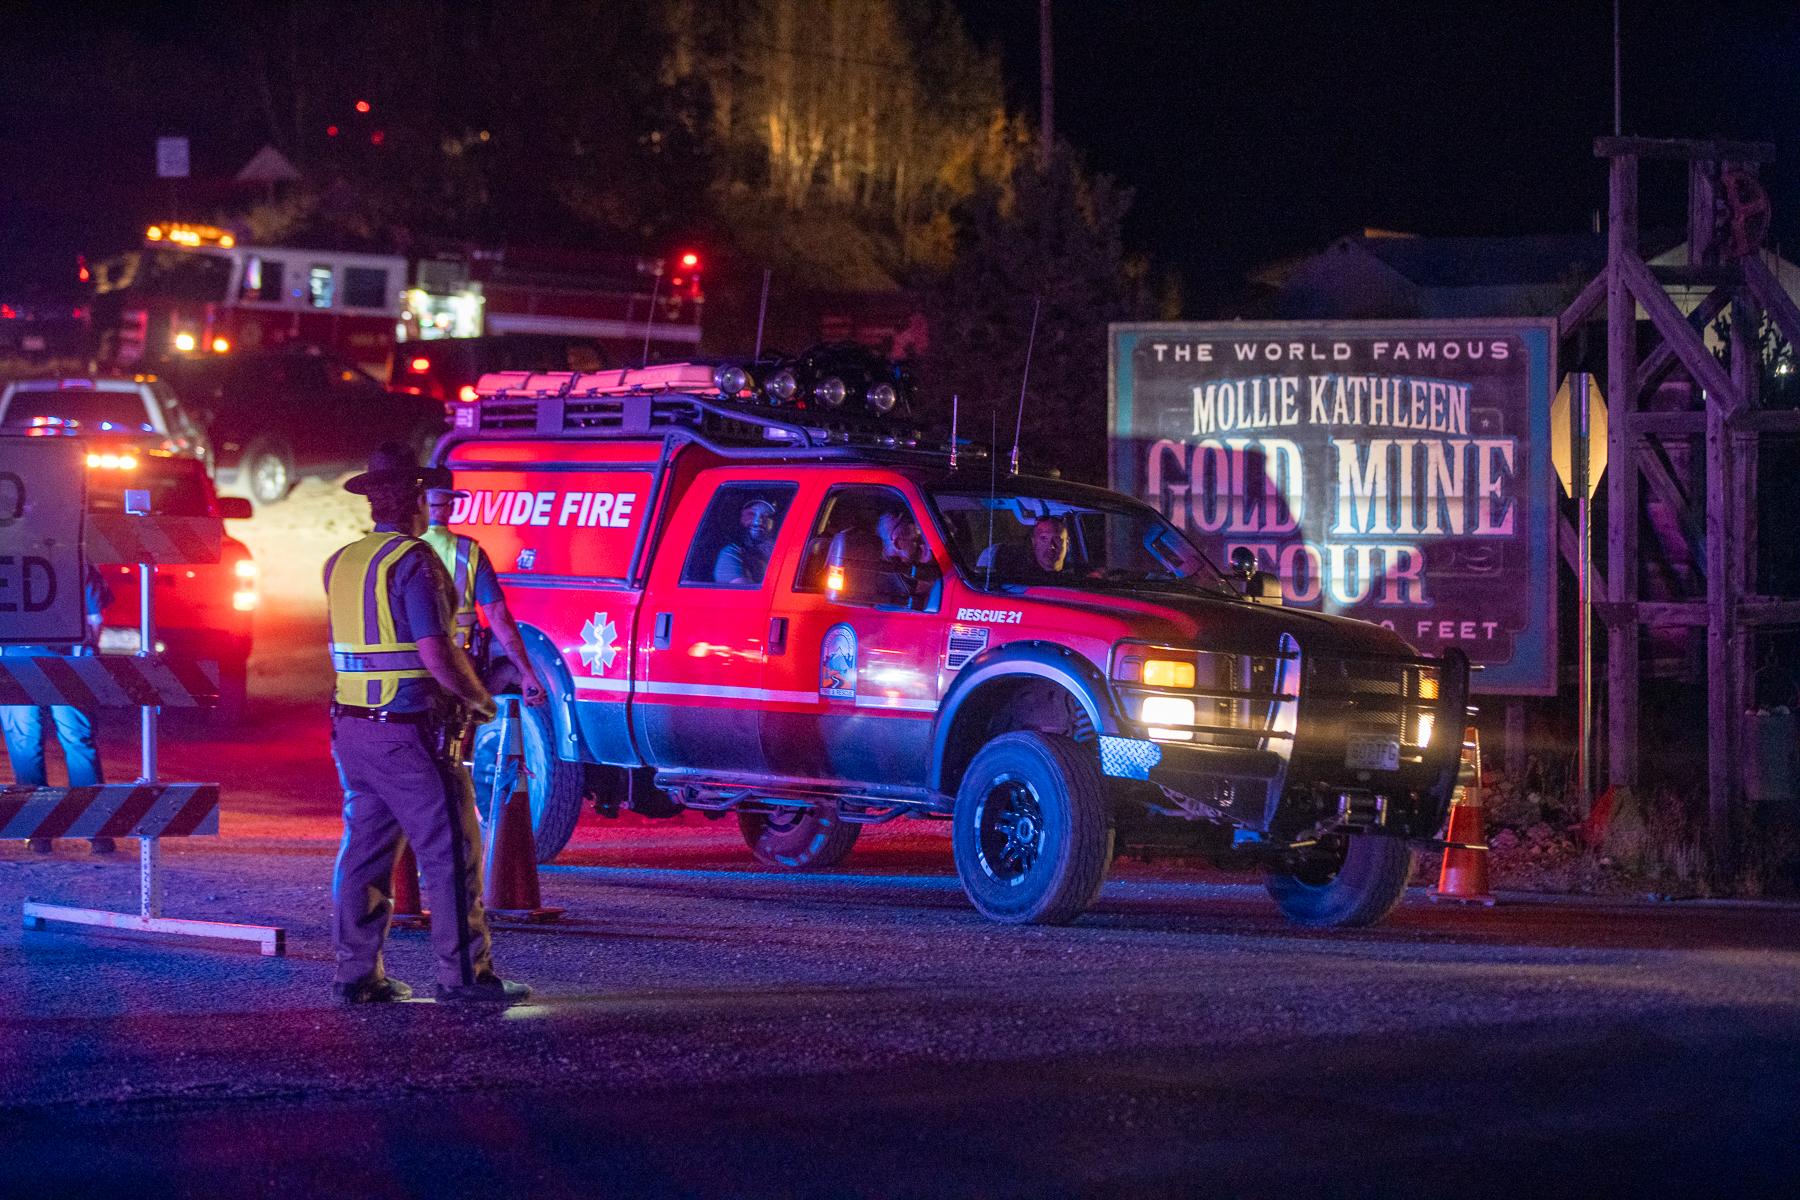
x=599 y=644
x=837 y=663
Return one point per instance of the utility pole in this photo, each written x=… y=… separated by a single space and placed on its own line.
x=1046 y=89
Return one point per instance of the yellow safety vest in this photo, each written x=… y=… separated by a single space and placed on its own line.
x=366 y=652
x=461 y=556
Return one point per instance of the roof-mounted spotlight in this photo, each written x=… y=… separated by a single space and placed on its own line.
x=730 y=379
x=781 y=387
x=830 y=392
x=882 y=398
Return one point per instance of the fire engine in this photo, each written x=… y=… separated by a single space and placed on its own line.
x=761 y=590
x=200 y=290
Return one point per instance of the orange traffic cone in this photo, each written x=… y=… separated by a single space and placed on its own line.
x=1464 y=875
x=408 y=912
x=510 y=868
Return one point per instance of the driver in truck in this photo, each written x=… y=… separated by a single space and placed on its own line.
x=743 y=560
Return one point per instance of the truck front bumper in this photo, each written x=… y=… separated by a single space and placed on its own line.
x=1285 y=792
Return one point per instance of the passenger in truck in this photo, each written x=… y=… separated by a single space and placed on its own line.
x=911 y=572
x=743 y=560
x=1050 y=544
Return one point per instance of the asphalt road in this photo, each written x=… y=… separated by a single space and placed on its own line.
x=705 y=1029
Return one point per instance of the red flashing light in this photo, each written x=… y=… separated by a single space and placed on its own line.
x=691 y=261
x=376 y=138
x=81 y=268
x=467 y=394
x=8 y=312
x=331 y=131
x=421 y=365
x=362 y=106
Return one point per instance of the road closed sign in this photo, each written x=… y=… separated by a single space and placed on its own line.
x=43 y=484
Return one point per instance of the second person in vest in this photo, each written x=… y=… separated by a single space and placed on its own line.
x=476 y=587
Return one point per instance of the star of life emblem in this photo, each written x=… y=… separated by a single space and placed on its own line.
x=599 y=644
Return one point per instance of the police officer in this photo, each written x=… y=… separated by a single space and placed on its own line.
x=476 y=589
x=400 y=673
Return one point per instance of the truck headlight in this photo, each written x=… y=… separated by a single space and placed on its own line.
x=1160 y=712
x=1426 y=722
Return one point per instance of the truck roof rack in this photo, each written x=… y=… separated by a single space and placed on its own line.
x=694 y=400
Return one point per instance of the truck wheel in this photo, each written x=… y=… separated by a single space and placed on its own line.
x=268 y=476
x=798 y=839
x=1031 y=833
x=1357 y=886
x=554 y=785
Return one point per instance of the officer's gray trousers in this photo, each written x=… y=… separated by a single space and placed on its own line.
x=393 y=785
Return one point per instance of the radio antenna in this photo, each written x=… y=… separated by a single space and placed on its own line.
x=650 y=317
x=987 y=578
x=762 y=310
x=954 y=401
x=1037 y=303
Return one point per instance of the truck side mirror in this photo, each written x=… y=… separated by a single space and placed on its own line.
x=1264 y=588
x=235 y=508
x=1259 y=586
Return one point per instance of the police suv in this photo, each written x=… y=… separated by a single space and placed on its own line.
x=758 y=593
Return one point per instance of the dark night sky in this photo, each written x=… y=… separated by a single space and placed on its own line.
x=1253 y=129
x=1250 y=129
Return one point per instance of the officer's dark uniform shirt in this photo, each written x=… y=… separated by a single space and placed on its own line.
x=422 y=608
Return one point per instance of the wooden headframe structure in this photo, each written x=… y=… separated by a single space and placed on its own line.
x=1723 y=244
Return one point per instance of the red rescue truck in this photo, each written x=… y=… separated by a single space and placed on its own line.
x=770 y=596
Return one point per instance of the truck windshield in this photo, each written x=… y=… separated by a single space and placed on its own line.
x=1019 y=538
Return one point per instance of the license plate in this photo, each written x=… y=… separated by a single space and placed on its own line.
x=1372 y=753
x=119 y=641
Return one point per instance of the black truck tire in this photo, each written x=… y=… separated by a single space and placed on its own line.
x=1360 y=890
x=1032 y=834
x=555 y=786
x=797 y=839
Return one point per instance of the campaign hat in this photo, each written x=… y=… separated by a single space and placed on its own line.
x=392 y=463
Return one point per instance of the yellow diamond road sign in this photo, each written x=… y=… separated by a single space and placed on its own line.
x=1561 y=436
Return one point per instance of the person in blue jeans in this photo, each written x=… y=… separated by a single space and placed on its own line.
x=23 y=724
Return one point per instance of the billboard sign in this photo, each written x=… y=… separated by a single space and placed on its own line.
x=1392 y=471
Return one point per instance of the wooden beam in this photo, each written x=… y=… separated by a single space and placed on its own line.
x=1769 y=612
x=1654 y=462
x=1682 y=423
x=1773 y=297
x=1656 y=364
x=1683 y=340
x=1683 y=148
x=1622 y=489
x=1662 y=614
x=1585 y=304
x=1765 y=420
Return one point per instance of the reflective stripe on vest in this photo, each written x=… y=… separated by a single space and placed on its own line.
x=461 y=556
x=366 y=652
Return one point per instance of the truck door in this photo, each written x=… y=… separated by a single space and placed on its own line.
x=704 y=627
x=854 y=687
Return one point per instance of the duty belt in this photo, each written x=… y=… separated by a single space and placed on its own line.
x=382 y=714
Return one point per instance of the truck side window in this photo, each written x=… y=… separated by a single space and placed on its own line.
x=860 y=520
x=731 y=547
